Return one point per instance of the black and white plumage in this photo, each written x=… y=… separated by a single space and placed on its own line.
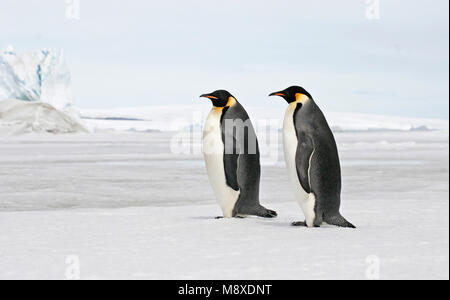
x=232 y=157
x=312 y=160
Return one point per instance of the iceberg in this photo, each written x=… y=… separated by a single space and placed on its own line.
x=36 y=94
x=41 y=76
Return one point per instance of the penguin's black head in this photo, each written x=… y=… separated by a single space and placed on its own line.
x=220 y=98
x=292 y=94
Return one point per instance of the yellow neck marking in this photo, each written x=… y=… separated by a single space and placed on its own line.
x=301 y=98
x=231 y=102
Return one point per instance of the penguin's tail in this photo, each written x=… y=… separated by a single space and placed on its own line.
x=338 y=220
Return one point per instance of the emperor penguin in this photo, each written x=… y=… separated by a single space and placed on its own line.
x=312 y=160
x=231 y=152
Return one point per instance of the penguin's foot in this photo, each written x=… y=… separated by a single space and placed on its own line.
x=259 y=211
x=269 y=214
x=339 y=221
x=221 y=217
x=299 y=224
x=303 y=224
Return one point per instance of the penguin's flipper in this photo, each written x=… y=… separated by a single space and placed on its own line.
x=303 y=159
x=230 y=160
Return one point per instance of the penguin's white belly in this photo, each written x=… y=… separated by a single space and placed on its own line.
x=305 y=200
x=213 y=151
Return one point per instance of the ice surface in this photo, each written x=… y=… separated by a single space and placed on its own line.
x=129 y=208
x=36 y=76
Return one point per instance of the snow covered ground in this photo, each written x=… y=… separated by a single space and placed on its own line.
x=127 y=208
x=174 y=118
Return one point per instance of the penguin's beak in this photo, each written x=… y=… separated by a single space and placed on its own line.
x=281 y=94
x=208 y=96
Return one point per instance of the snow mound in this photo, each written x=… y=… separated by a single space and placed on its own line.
x=41 y=76
x=20 y=117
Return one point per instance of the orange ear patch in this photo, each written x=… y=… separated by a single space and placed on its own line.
x=231 y=101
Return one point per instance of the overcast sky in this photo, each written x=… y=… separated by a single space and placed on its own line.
x=139 y=53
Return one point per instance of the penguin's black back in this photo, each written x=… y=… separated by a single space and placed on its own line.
x=315 y=136
x=241 y=157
